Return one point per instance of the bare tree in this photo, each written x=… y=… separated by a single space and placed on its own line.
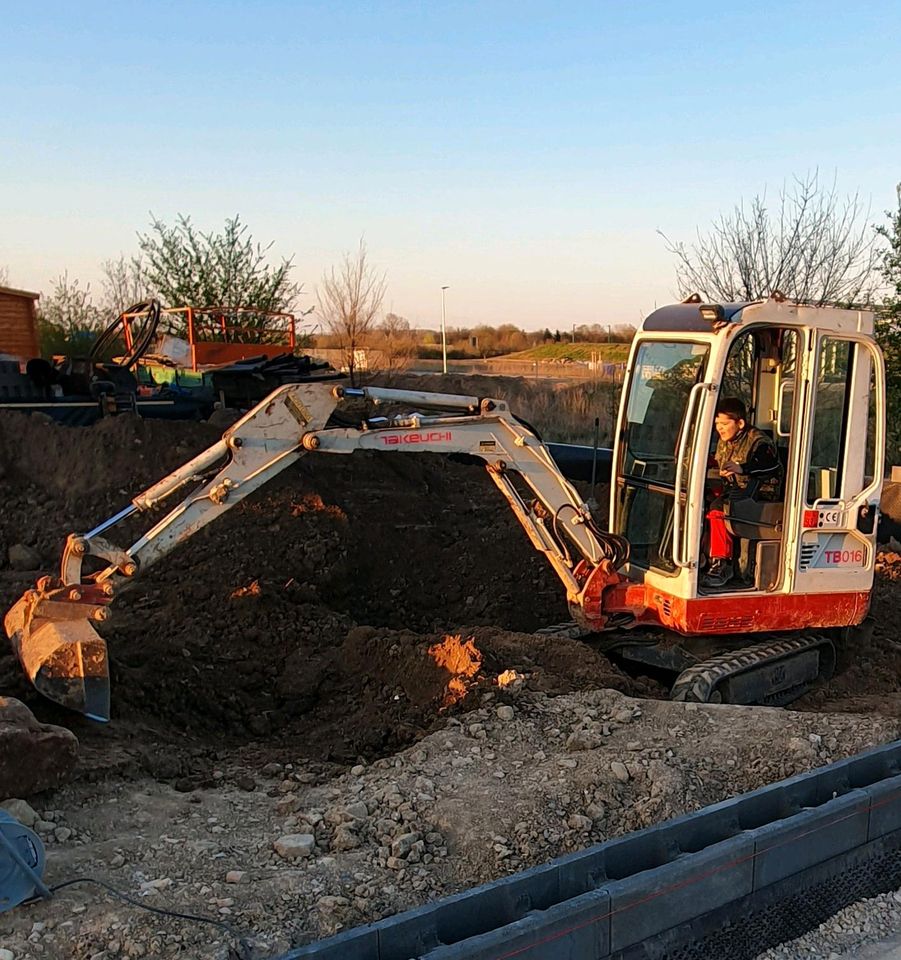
x=350 y=297
x=395 y=326
x=123 y=284
x=4 y=276
x=815 y=247
x=396 y=345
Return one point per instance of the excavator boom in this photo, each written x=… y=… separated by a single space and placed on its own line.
x=51 y=627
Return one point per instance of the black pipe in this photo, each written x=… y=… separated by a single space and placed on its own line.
x=580 y=462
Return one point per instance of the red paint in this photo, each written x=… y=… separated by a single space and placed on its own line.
x=811 y=518
x=760 y=613
x=854 y=557
x=435 y=436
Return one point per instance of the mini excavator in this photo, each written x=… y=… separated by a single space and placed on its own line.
x=812 y=378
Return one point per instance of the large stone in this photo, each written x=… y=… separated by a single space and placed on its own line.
x=23 y=557
x=21 y=811
x=295 y=845
x=33 y=756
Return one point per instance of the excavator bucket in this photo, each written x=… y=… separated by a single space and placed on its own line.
x=64 y=658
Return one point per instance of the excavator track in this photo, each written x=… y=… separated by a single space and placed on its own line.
x=773 y=673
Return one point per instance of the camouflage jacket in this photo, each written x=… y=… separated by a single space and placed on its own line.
x=758 y=458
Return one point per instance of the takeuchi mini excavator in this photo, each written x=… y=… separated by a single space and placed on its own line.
x=811 y=378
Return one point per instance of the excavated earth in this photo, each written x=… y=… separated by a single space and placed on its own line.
x=331 y=705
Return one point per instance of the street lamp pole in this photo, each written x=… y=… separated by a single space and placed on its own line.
x=443 y=329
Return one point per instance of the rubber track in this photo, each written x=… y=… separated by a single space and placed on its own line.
x=698 y=683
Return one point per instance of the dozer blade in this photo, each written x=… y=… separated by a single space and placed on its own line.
x=65 y=659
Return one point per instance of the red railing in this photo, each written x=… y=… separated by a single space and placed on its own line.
x=214 y=337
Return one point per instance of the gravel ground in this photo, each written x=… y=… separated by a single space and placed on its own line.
x=848 y=933
x=298 y=851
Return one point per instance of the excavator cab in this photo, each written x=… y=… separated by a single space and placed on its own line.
x=812 y=379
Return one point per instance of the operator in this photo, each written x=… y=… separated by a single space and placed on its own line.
x=743 y=454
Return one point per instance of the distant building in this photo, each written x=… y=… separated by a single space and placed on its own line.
x=18 y=323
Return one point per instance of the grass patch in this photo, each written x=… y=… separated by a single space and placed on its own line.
x=605 y=352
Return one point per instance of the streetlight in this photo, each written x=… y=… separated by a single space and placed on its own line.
x=443 y=329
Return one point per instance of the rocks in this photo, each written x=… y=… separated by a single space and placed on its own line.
x=357 y=811
x=585 y=738
x=619 y=770
x=236 y=876
x=345 y=838
x=160 y=883
x=21 y=811
x=33 y=756
x=579 y=823
x=24 y=558
x=403 y=844
x=294 y=846
x=505 y=712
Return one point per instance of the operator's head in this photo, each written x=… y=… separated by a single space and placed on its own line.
x=731 y=418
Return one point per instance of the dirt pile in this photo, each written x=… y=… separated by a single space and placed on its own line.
x=870 y=681
x=307 y=613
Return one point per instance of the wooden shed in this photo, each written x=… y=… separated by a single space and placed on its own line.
x=18 y=323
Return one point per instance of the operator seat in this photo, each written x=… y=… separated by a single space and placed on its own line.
x=757 y=527
x=753 y=519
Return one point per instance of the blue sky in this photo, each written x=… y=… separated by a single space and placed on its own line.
x=525 y=154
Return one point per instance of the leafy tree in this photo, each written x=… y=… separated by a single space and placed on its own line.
x=184 y=266
x=68 y=321
x=815 y=247
x=350 y=297
x=888 y=327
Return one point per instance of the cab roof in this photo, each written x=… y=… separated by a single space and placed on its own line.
x=698 y=317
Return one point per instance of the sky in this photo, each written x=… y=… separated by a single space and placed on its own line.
x=526 y=155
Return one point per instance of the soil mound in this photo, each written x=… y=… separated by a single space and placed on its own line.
x=332 y=612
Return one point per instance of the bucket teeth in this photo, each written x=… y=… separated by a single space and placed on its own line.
x=66 y=660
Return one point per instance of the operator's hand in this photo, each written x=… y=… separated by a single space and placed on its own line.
x=731 y=469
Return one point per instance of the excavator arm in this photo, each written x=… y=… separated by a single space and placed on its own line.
x=51 y=627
